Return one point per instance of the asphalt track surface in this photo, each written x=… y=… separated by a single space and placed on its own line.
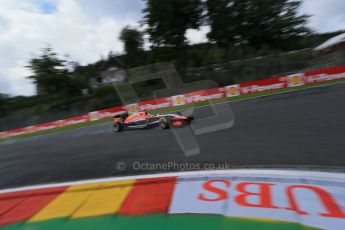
x=302 y=129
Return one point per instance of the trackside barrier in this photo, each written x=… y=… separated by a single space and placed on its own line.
x=281 y=82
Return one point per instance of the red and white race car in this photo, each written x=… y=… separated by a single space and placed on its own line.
x=142 y=120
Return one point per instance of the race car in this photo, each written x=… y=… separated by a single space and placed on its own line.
x=142 y=120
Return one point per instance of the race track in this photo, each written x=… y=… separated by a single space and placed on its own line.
x=303 y=129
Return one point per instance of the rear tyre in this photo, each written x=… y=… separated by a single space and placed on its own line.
x=117 y=127
x=163 y=123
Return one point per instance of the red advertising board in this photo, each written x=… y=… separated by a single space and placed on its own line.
x=107 y=113
x=16 y=132
x=74 y=120
x=155 y=104
x=263 y=85
x=45 y=126
x=323 y=75
x=3 y=134
x=204 y=95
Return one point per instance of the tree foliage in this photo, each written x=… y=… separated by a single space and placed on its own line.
x=132 y=39
x=256 y=23
x=49 y=73
x=3 y=102
x=167 y=21
x=133 y=45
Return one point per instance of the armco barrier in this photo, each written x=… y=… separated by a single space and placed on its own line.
x=281 y=82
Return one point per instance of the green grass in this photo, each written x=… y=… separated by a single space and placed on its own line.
x=175 y=108
x=157 y=222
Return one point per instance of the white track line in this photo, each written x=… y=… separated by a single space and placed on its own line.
x=247 y=172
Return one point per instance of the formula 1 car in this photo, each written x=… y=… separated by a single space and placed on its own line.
x=142 y=120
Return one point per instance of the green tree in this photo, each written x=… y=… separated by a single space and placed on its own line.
x=3 y=103
x=257 y=23
x=167 y=21
x=132 y=39
x=133 y=45
x=49 y=73
x=220 y=17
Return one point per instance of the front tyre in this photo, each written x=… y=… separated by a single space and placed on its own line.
x=163 y=123
x=117 y=127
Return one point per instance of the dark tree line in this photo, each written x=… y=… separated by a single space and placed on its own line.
x=256 y=23
x=49 y=73
x=167 y=21
x=233 y=23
